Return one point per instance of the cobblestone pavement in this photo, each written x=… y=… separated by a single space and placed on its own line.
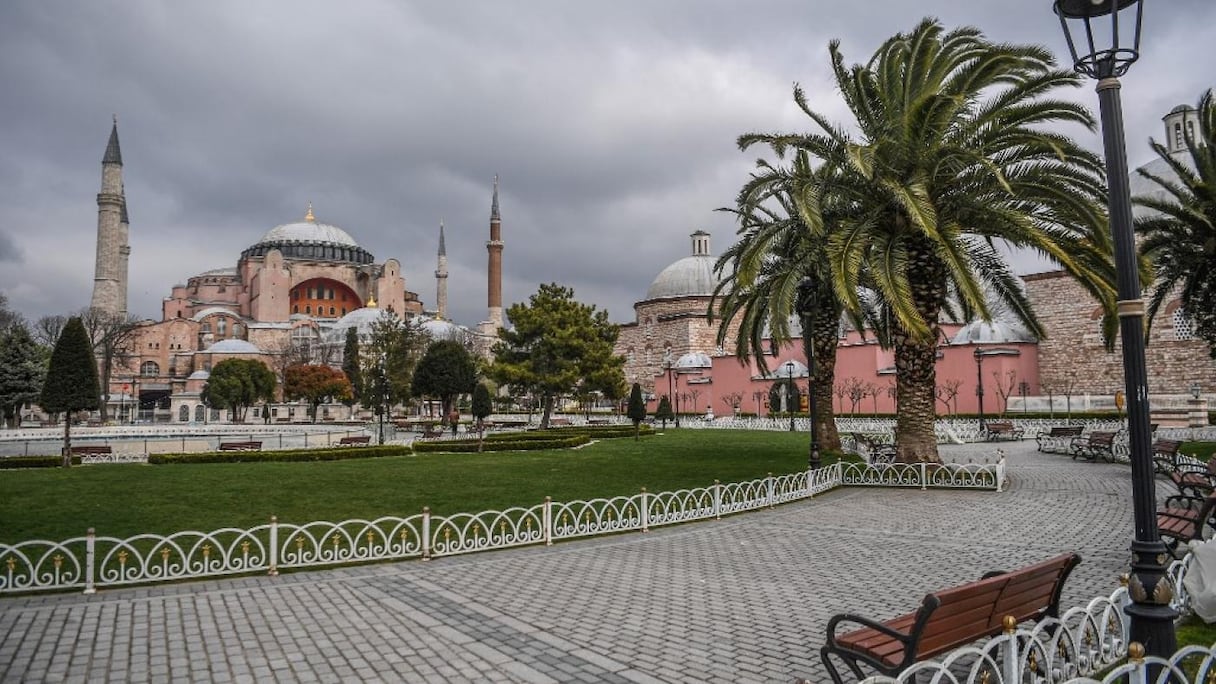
x=743 y=599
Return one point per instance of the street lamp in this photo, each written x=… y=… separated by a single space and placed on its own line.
x=806 y=295
x=382 y=387
x=1196 y=390
x=788 y=389
x=1152 y=618
x=122 y=403
x=979 y=354
x=669 y=366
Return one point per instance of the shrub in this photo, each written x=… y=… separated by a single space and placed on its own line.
x=529 y=444
x=15 y=462
x=327 y=454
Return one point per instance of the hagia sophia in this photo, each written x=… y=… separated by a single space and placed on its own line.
x=302 y=284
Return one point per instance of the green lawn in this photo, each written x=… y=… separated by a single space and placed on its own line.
x=1200 y=450
x=124 y=500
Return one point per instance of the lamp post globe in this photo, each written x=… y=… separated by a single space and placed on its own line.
x=1150 y=613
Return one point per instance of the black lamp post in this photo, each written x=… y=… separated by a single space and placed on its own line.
x=806 y=292
x=979 y=382
x=382 y=392
x=1152 y=618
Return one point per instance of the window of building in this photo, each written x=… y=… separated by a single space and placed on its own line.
x=1190 y=129
x=1184 y=327
x=295 y=309
x=221 y=327
x=308 y=308
x=198 y=413
x=183 y=414
x=1178 y=134
x=149 y=369
x=332 y=311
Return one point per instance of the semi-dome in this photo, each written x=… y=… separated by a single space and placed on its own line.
x=692 y=276
x=996 y=332
x=233 y=346
x=362 y=320
x=792 y=368
x=310 y=239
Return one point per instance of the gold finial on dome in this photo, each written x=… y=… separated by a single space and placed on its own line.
x=308 y=216
x=371 y=302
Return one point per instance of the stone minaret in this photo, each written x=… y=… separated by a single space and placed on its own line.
x=441 y=279
x=110 y=271
x=494 y=272
x=1182 y=121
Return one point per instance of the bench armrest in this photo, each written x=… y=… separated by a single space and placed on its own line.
x=903 y=638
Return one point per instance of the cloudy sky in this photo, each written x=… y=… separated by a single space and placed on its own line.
x=611 y=124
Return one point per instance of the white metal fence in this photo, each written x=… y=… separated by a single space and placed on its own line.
x=94 y=561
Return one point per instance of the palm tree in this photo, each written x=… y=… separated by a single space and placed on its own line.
x=759 y=277
x=951 y=156
x=1180 y=237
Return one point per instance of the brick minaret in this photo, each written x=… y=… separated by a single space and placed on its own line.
x=441 y=279
x=494 y=272
x=110 y=270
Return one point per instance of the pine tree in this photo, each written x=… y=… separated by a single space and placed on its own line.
x=664 y=412
x=350 y=363
x=20 y=373
x=637 y=409
x=71 y=381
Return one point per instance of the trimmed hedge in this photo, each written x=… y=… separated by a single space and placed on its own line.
x=327 y=454
x=14 y=462
x=529 y=444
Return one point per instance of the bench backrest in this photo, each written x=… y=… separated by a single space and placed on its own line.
x=1166 y=446
x=1101 y=438
x=91 y=449
x=1000 y=427
x=1072 y=431
x=951 y=618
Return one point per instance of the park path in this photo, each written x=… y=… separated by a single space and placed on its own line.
x=743 y=599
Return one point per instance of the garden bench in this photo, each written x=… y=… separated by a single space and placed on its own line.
x=360 y=440
x=1165 y=454
x=91 y=450
x=1094 y=445
x=558 y=422
x=948 y=619
x=598 y=421
x=240 y=446
x=1180 y=524
x=1193 y=480
x=1059 y=439
x=877 y=451
x=1001 y=430
x=432 y=432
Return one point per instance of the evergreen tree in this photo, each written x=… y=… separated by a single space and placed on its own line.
x=71 y=381
x=664 y=412
x=446 y=371
x=555 y=343
x=482 y=408
x=20 y=373
x=637 y=409
x=350 y=364
x=238 y=384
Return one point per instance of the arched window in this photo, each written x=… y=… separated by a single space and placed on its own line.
x=183 y=414
x=149 y=369
x=1178 y=135
x=221 y=327
x=199 y=415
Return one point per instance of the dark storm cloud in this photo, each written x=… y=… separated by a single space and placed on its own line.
x=612 y=126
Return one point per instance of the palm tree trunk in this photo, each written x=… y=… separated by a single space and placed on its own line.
x=825 y=334
x=916 y=359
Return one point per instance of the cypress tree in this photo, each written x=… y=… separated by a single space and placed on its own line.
x=71 y=381
x=637 y=409
x=482 y=407
x=350 y=363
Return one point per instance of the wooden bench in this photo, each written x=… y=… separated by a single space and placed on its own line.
x=360 y=440
x=1093 y=445
x=240 y=446
x=995 y=430
x=1058 y=440
x=1165 y=454
x=598 y=421
x=432 y=432
x=948 y=619
x=1193 y=480
x=91 y=450
x=1186 y=523
x=877 y=452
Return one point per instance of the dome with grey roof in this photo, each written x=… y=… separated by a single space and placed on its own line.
x=362 y=320
x=440 y=329
x=233 y=346
x=692 y=276
x=995 y=332
x=693 y=360
x=312 y=240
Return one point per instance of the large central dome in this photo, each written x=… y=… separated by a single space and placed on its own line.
x=692 y=276
x=310 y=240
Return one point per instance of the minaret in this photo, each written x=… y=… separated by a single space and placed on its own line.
x=441 y=279
x=1180 y=123
x=494 y=272
x=110 y=270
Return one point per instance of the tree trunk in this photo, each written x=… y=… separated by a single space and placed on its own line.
x=825 y=320
x=67 y=440
x=547 y=409
x=915 y=360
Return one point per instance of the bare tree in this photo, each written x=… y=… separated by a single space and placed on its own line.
x=1005 y=384
x=939 y=391
x=694 y=393
x=947 y=393
x=841 y=392
x=1049 y=388
x=48 y=329
x=732 y=400
x=856 y=391
x=1068 y=387
x=759 y=396
x=893 y=394
x=112 y=336
x=873 y=391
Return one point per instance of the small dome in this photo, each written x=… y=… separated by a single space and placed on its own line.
x=996 y=332
x=689 y=277
x=439 y=329
x=233 y=346
x=792 y=367
x=199 y=375
x=694 y=360
x=361 y=320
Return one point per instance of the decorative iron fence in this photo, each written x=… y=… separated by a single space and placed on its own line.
x=94 y=561
x=1084 y=641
